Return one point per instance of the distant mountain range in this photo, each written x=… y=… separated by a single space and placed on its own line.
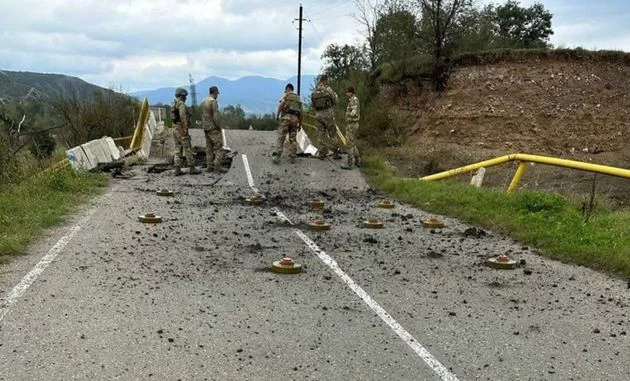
x=256 y=95
x=24 y=86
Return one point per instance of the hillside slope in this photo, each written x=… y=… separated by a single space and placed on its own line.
x=20 y=86
x=569 y=108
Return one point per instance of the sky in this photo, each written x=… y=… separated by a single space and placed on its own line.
x=146 y=44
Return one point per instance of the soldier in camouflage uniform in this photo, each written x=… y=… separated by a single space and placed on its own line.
x=290 y=113
x=352 y=125
x=324 y=101
x=211 y=122
x=181 y=122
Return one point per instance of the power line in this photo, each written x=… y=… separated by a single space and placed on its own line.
x=331 y=17
x=342 y=3
x=321 y=39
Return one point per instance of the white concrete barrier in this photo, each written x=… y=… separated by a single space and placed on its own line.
x=304 y=144
x=89 y=155
x=103 y=151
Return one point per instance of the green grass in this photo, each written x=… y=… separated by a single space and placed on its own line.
x=421 y=67
x=495 y=56
x=552 y=224
x=41 y=202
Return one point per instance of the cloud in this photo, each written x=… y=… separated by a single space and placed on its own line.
x=143 y=44
x=146 y=43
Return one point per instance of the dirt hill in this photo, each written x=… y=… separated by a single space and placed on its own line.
x=551 y=104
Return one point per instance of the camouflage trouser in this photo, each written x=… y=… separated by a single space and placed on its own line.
x=214 y=148
x=288 y=126
x=182 y=142
x=326 y=131
x=351 y=142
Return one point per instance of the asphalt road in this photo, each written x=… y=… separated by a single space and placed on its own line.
x=192 y=298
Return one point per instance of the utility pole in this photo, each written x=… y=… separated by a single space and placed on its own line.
x=299 y=75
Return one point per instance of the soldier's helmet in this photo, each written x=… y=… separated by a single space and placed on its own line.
x=181 y=92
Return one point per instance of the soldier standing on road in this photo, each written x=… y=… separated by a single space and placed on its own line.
x=352 y=125
x=324 y=100
x=181 y=123
x=211 y=121
x=290 y=113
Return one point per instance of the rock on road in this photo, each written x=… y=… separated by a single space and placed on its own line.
x=192 y=298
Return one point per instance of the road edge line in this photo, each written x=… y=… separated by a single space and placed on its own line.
x=27 y=281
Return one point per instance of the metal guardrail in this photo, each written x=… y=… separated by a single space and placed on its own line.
x=523 y=159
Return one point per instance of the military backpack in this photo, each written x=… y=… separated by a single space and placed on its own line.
x=292 y=104
x=175 y=113
x=321 y=99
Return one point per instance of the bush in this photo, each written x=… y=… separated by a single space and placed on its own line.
x=109 y=114
x=42 y=145
x=8 y=162
x=379 y=127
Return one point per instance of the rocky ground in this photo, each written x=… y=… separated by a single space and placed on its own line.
x=192 y=298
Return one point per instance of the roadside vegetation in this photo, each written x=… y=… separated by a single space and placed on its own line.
x=34 y=135
x=555 y=225
x=233 y=116
x=41 y=202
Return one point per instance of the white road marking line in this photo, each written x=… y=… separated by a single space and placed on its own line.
x=39 y=268
x=421 y=351
x=225 y=145
x=248 y=172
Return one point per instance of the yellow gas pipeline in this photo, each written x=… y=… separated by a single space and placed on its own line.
x=526 y=158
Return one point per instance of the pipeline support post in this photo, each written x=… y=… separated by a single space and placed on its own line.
x=522 y=166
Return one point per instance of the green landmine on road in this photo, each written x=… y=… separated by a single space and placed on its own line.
x=553 y=224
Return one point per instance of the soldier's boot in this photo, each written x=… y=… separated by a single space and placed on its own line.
x=193 y=171
x=357 y=161
x=337 y=155
x=178 y=171
x=292 y=159
x=209 y=169
x=276 y=158
x=347 y=165
x=220 y=169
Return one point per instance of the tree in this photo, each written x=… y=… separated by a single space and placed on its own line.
x=439 y=21
x=475 y=30
x=367 y=16
x=527 y=27
x=369 y=13
x=396 y=36
x=266 y=122
x=234 y=117
x=341 y=60
x=108 y=114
